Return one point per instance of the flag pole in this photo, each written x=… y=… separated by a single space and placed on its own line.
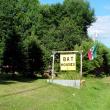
x=96 y=34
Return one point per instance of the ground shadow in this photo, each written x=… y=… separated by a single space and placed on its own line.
x=10 y=78
x=24 y=91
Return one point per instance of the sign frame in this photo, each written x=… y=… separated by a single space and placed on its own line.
x=66 y=52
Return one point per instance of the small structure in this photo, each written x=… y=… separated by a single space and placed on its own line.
x=71 y=83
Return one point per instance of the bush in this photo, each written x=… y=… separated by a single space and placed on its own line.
x=100 y=65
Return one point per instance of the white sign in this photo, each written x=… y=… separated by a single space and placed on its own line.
x=68 y=61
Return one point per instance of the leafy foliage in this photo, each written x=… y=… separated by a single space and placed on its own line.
x=33 y=53
x=65 y=24
x=29 y=31
x=100 y=65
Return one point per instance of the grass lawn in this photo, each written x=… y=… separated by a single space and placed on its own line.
x=39 y=95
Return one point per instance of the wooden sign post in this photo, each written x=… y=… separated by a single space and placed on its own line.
x=68 y=57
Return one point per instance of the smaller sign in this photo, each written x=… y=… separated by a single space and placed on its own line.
x=68 y=61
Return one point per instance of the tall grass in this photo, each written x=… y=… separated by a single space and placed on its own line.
x=68 y=75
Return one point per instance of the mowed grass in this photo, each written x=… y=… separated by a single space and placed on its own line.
x=40 y=95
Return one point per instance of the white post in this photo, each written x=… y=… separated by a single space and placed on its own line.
x=81 y=64
x=95 y=36
x=53 y=60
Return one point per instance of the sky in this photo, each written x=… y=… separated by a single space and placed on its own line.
x=101 y=28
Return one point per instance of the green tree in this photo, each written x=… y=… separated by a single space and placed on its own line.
x=6 y=22
x=80 y=11
x=64 y=25
x=12 y=54
x=27 y=17
x=34 y=53
x=29 y=31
